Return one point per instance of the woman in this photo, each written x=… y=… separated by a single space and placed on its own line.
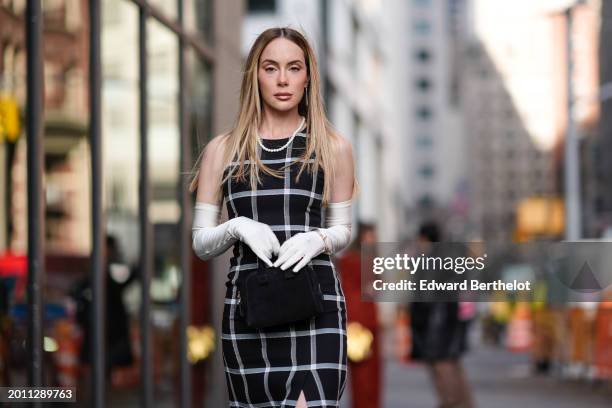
x=287 y=178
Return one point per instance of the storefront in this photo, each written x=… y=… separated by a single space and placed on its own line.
x=107 y=104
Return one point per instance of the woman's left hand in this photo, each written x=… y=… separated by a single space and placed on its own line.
x=301 y=247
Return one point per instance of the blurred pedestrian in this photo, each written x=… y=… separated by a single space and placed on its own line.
x=439 y=338
x=118 y=345
x=365 y=366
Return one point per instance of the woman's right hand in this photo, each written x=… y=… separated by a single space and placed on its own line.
x=258 y=236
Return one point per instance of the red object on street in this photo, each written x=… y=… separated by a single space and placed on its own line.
x=13 y=265
x=16 y=266
x=365 y=375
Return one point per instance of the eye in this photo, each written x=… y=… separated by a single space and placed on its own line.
x=269 y=69
x=295 y=68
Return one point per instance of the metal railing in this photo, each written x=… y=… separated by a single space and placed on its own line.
x=35 y=158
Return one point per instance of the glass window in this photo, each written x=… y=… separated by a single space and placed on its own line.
x=422 y=26
x=111 y=12
x=199 y=95
x=13 y=201
x=198 y=17
x=168 y=7
x=426 y=201
x=54 y=14
x=423 y=84
x=67 y=188
x=120 y=127
x=424 y=113
x=261 y=6
x=15 y=6
x=164 y=210
x=121 y=155
x=423 y=55
x=425 y=141
x=426 y=170
x=163 y=125
x=66 y=123
x=66 y=194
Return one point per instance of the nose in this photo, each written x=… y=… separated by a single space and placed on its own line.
x=282 y=78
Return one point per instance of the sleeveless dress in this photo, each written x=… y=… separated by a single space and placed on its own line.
x=269 y=367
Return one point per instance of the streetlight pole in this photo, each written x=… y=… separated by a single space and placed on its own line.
x=573 y=221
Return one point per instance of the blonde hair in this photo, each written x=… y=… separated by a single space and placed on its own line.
x=241 y=142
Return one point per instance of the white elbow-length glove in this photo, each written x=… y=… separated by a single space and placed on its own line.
x=302 y=247
x=211 y=239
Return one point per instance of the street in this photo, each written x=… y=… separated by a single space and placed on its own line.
x=500 y=379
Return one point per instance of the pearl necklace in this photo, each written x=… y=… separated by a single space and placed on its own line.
x=278 y=149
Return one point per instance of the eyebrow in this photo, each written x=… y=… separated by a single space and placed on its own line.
x=274 y=62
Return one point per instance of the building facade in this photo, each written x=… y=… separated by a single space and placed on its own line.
x=144 y=94
x=515 y=106
x=436 y=147
x=600 y=220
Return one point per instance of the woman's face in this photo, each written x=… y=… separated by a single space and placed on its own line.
x=282 y=74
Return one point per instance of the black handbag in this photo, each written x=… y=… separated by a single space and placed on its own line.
x=270 y=296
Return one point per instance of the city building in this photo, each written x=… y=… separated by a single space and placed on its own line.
x=598 y=212
x=66 y=163
x=435 y=185
x=515 y=106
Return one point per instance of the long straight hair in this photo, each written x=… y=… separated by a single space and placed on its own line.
x=241 y=141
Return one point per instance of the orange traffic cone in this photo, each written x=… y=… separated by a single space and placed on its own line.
x=519 y=329
x=603 y=340
x=403 y=338
x=66 y=356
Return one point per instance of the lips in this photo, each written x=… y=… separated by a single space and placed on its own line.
x=283 y=96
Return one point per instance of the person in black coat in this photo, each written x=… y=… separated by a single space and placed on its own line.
x=439 y=339
x=118 y=345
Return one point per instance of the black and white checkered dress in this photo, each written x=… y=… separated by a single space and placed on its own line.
x=269 y=368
